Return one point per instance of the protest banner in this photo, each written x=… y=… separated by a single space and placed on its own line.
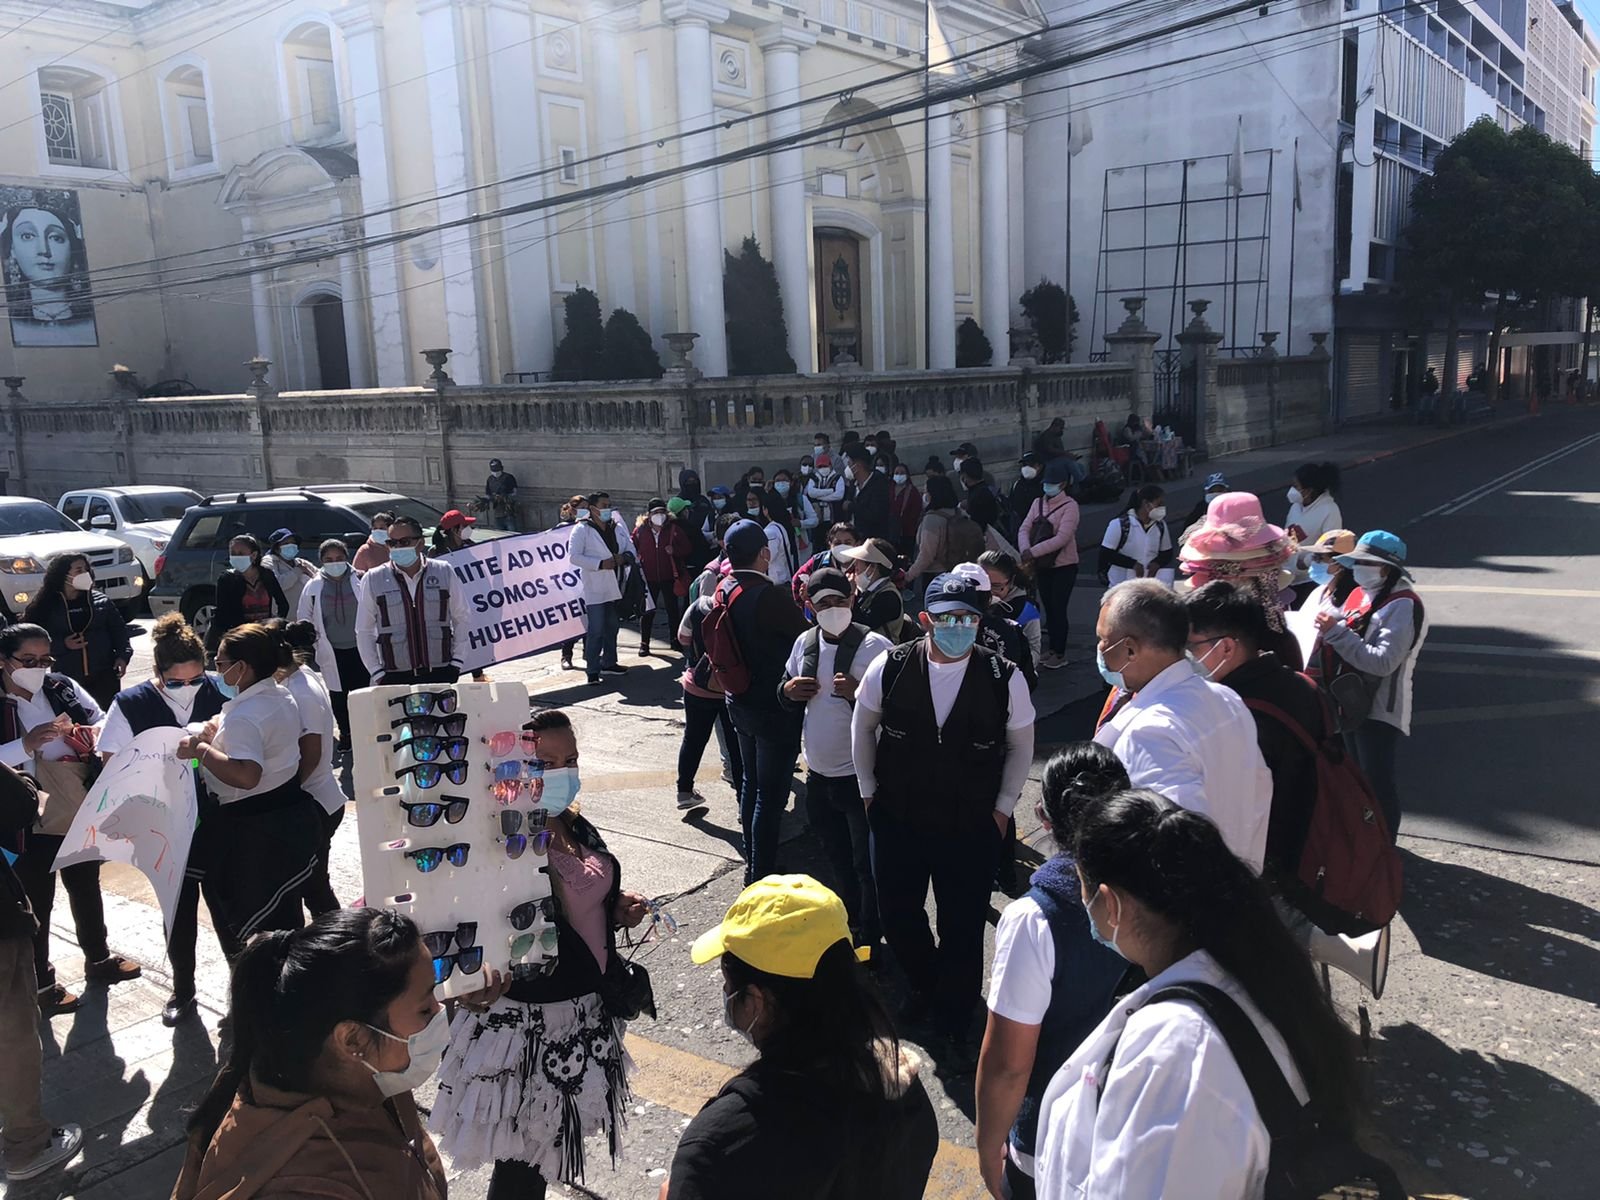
x=522 y=596
x=142 y=810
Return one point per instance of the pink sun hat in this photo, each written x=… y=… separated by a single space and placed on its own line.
x=1235 y=529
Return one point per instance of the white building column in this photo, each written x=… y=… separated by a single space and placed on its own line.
x=791 y=230
x=355 y=320
x=941 y=244
x=616 y=237
x=441 y=60
x=368 y=88
x=261 y=303
x=994 y=160
x=702 y=218
x=518 y=150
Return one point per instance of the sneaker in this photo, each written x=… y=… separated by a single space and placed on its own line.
x=64 y=1144
x=644 y=649
x=112 y=969
x=594 y=680
x=177 y=1008
x=615 y=669
x=692 y=801
x=1053 y=662
x=566 y=662
x=56 y=1001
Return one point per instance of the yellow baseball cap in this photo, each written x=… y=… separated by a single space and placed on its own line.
x=781 y=925
x=1335 y=541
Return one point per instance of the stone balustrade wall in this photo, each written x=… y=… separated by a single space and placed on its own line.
x=1266 y=401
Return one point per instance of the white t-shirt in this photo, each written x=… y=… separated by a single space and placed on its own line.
x=1019 y=982
x=944 y=681
x=260 y=725
x=1142 y=545
x=310 y=694
x=827 y=720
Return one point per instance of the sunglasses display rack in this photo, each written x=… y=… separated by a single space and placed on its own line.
x=454 y=873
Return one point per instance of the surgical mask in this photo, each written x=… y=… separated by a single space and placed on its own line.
x=335 y=569
x=955 y=641
x=718 y=503
x=727 y=1017
x=1320 y=572
x=902 y=479
x=754 y=510
x=1158 y=513
x=496 y=472
x=781 y=487
x=181 y=699
x=834 y=621
x=881 y=470
x=226 y=688
x=872 y=447
x=1199 y=661
x=426 y=1047
x=403 y=556
x=83 y=581
x=1295 y=497
x=29 y=679
x=1052 y=489
x=1030 y=472
x=805 y=470
x=1368 y=578
x=581 y=514
x=241 y=562
x=288 y=552
x=955 y=463
x=818 y=451
x=1114 y=678
x=379 y=537
x=605 y=514
x=1110 y=943
x=560 y=789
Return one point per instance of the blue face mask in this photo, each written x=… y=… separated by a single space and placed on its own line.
x=781 y=488
x=560 y=789
x=1114 y=678
x=1052 y=489
x=227 y=689
x=403 y=556
x=1110 y=943
x=241 y=562
x=955 y=641
x=718 y=503
x=1320 y=573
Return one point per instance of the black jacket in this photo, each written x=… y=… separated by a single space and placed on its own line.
x=766 y=623
x=102 y=625
x=19 y=809
x=869 y=508
x=230 y=603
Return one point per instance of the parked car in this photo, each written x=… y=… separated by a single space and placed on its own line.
x=32 y=533
x=142 y=518
x=186 y=574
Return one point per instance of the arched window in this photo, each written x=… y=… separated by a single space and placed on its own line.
x=75 y=108
x=312 y=79
x=187 y=117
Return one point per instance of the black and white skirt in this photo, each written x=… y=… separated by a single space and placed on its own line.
x=529 y=1082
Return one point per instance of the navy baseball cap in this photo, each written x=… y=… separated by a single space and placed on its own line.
x=1217 y=481
x=951 y=593
x=745 y=539
x=280 y=535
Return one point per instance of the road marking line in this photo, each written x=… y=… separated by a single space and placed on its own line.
x=1501 y=590
x=1456 y=504
x=1424 y=664
x=1433 y=647
x=1501 y=712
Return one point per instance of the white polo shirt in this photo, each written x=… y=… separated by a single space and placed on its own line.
x=310 y=694
x=260 y=725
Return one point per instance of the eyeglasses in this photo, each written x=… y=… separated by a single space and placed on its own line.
x=529 y=911
x=509 y=741
x=46 y=661
x=470 y=961
x=464 y=935
x=952 y=619
x=427 y=775
x=422 y=704
x=427 y=748
x=452 y=726
x=546 y=939
x=427 y=813
x=516 y=842
x=428 y=858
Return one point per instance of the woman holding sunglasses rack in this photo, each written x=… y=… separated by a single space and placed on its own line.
x=267 y=830
x=547 y=1056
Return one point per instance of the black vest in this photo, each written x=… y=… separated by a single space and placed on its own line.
x=942 y=780
x=145 y=709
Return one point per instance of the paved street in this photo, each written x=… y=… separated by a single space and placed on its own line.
x=1482 y=1071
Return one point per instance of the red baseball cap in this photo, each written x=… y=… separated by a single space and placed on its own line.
x=455 y=519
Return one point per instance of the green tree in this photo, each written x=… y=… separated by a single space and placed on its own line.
x=758 y=335
x=581 y=354
x=972 y=345
x=628 y=352
x=1053 y=317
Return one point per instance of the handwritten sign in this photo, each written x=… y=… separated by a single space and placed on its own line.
x=142 y=810
x=522 y=596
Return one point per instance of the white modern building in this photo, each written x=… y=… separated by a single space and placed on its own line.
x=1264 y=161
x=217 y=179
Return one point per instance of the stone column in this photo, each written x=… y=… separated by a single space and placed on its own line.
x=261 y=299
x=1199 y=342
x=447 y=117
x=941 y=244
x=1364 y=164
x=616 y=233
x=791 y=231
x=514 y=97
x=1134 y=343
x=368 y=87
x=355 y=320
x=994 y=144
x=702 y=219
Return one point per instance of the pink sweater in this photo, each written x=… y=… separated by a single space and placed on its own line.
x=1062 y=513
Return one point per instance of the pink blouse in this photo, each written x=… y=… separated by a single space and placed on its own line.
x=582 y=885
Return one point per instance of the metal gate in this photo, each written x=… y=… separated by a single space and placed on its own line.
x=1176 y=395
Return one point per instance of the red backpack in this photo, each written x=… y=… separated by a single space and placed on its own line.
x=1348 y=879
x=729 y=671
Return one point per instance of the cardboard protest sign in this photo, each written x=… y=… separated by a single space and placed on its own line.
x=522 y=596
x=142 y=810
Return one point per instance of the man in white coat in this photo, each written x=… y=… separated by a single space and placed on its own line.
x=600 y=548
x=1176 y=732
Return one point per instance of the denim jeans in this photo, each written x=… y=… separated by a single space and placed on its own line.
x=768 y=741
x=835 y=814
x=600 y=637
x=1055 y=593
x=1374 y=744
x=701 y=715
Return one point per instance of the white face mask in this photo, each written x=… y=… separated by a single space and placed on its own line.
x=83 y=581
x=727 y=1018
x=1368 y=578
x=29 y=679
x=335 y=568
x=658 y=519
x=1159 y=513
x=1295 y=496
x=881 y=470
x=1030 y=472
x=180 y=700
x=426 y=1047
x=834 y=621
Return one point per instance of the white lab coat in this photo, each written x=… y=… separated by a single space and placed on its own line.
x=1174 y=1120
x=586 y=549
x=307 y=610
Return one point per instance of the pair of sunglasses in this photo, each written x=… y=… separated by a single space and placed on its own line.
x=470 y=961
x=451 y=726
x=427 y=748
x=524 y=914
x=507 y=791
x=422 y=704
x=546 y=940
x=427 y=775
x=426 y=813
x=428 y=858
x=519 y=768
x=464 y=935
x=516 y=842
x=510 y=741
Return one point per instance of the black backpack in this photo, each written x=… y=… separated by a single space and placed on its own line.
x=1105 y=564
x=1308 y=1158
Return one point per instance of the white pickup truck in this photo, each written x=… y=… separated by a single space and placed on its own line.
x=142 y=518
x=32 y=533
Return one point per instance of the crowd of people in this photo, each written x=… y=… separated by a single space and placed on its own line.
x=890 y=632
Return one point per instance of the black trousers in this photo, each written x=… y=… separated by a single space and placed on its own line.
x=181 y=946
x=319 y=895
x=669 y=605
x=835 y=812
x=514 y=1179
x=353 y=677
x=82 y=881
x=701 y=715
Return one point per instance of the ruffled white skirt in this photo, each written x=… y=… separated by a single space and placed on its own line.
x=528 y=1082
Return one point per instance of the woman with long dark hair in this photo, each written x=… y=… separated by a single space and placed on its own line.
x=334 y=1025
x=772 y=513
x=934 y=554
x=247 y=592
x=1153 y=1102
x=88 y=637
x=180 y=696
x=832 y=1106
